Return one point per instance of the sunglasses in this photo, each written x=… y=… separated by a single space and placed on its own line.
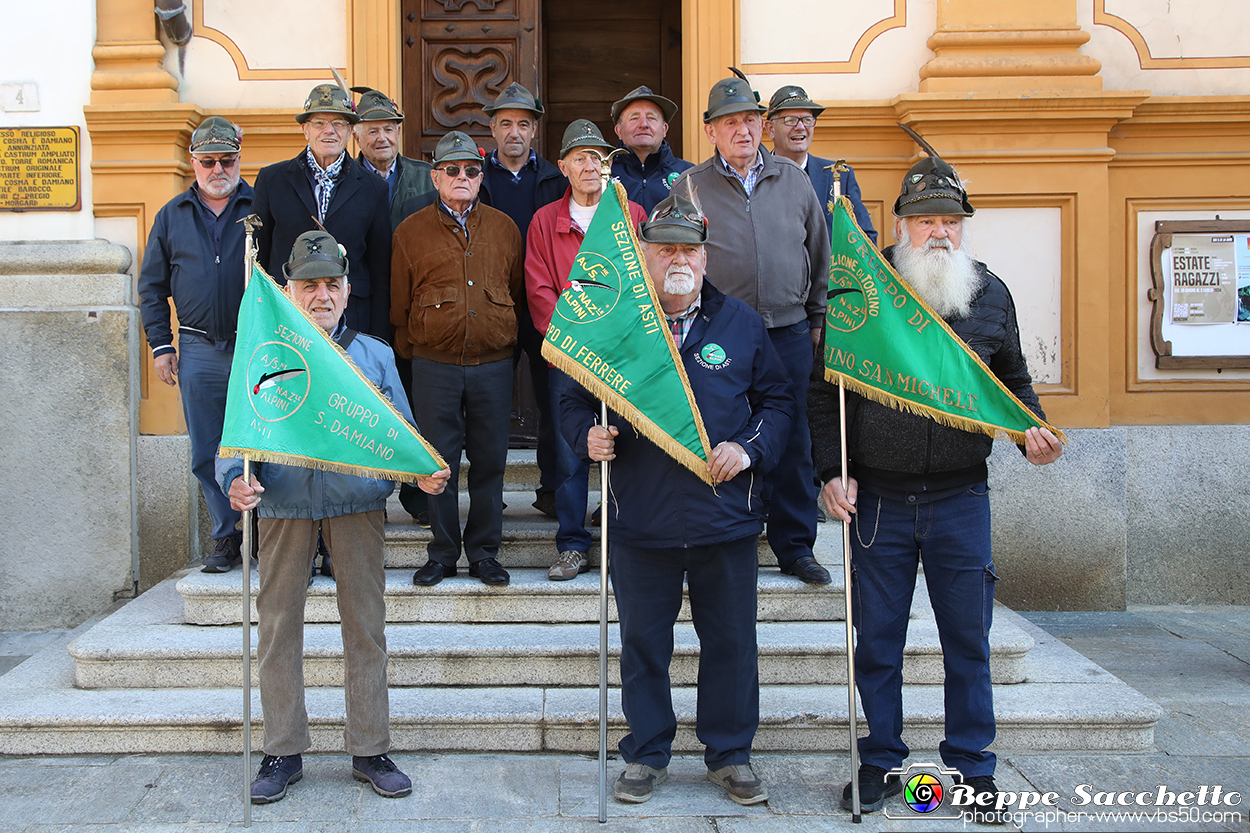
x=453 y=171
x=209 y=164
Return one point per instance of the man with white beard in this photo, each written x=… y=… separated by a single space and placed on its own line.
x=668 y=525
x=923 y=494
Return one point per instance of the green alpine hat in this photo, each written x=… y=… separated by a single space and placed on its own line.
x=316 y=254
x=792 y=97
x=328 y=98
x=582 y=133
x=732 y=95
x=216 y=135
x=457 y=146
x=515 y=97
x=375 y=106
x=668 y=108
x=674 y=220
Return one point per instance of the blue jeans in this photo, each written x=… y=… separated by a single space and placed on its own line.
x=952 y=537
x=470 y=409
x=572 y=474
x=203 y=376
x=647 y=584
x=790 y=488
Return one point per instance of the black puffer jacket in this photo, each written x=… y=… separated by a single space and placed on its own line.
x=903 y=452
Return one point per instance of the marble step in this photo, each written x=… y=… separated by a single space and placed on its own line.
x=1066 y=703
x=146 y=644
x=217 y=599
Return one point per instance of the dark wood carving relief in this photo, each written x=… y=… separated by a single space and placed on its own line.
x=466 y=78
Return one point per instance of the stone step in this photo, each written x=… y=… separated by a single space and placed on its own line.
x=146 y=644
x=1067 y=703
x=217 y=599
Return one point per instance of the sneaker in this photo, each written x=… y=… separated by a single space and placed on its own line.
x=874 y=789
x=546 y=503
x=382 y=774
x=225 y=555
x=569 y=565
x=637 y=783
x=984 y=809
x=276 y=772
x=741 y=782
x=490 y=572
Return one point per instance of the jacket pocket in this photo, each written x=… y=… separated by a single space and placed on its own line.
x=434 y=316
x=499 y=296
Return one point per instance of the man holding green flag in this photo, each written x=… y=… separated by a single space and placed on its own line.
x=292 y=401
x=935 y=370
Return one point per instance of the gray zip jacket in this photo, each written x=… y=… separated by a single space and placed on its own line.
x=770 y=249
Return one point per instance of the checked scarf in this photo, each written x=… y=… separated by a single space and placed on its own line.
x=324 y=180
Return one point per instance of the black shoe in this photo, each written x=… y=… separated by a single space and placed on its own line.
x=874 y=789
x=546 y=503
x=225 y=555
x=422 y=519
x=327 y=569
x=432 y=573
x=809 y=570
x=276 y=772
x=596 y=517
x=382 y=774
x=489 y=571
x=984 y=800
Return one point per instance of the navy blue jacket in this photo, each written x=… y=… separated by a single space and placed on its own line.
x=822 y=181
x=359 y=217
x=743 y=393
x=497 y=190
x=182 y=261
x=648 y=183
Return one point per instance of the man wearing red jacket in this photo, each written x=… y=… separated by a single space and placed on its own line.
x=555 y=235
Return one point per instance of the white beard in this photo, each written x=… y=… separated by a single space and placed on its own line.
x=678 y=280
x=945 y=279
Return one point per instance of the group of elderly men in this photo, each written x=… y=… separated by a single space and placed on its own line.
x=455 y=268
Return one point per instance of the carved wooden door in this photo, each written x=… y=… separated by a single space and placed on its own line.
x=458 y=55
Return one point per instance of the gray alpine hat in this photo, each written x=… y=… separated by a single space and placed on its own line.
x=732 y=95
x=667 y=107
x=376 y=106
x=316 y=254
x=792 y=97
x=931 y=187
x=328 y=98
x=582 y=133
x=515 y=97
x=674 y=220
x=456 y=147
x=216 y=135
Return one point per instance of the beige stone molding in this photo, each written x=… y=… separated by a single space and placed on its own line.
x=128 y=56
x=1147 y=61
x=851 y=65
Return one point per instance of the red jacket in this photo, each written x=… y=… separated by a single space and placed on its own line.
x=549 y=252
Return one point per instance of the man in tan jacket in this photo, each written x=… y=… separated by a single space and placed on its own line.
x=456 y=272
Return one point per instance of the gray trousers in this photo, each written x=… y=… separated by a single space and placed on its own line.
x=286 y=549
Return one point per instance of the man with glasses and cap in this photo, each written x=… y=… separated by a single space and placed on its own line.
x=791 y=124
x=325 y=185
x=555 y=235
x=295 y=504
x=194 y=256
x=650 y=168
x=669 y=526
x=457 y=276
x=768 y=245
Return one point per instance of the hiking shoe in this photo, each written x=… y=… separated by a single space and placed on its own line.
x=276 y=772
x=546 y=503
x=382 y=774
x=568 y=565
x=742 y=784
x=637 y=783
x=225 y=555
x=874 y=789
x=490 y=572
x=985 y=809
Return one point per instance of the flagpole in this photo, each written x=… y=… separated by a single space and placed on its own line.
x=852 y=719
x=250 y=223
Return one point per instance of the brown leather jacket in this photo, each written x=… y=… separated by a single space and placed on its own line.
x=451 y=298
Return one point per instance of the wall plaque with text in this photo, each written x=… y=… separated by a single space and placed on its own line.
x=39 y=169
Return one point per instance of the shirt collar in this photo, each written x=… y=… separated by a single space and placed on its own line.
x=369 y=165
x=531 y=162
x=691 y=310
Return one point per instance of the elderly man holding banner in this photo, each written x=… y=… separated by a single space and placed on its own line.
x=683 y=500
x=302 y=392
x=936 y=370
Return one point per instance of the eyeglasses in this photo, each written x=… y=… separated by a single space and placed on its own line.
x=453 y=171
x=795 y=121
x=339 y=125
x=226 y=162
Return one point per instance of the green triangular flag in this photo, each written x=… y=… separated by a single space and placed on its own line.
x=608 y=332
x=883 y=341
x=295 y=397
